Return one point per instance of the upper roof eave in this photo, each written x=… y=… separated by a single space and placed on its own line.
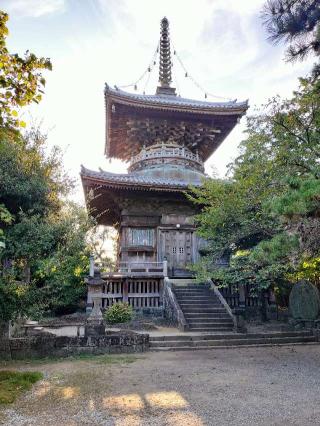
x=170 y=102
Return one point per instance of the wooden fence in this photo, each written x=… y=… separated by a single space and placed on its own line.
x=233 y=298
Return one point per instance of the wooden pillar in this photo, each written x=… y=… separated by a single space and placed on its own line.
x=125 y=291
x=242 y=297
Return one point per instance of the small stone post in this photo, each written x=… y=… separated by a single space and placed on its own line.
x=96 y=314
x=91 y=270
x=95 y=325
x=240 y=311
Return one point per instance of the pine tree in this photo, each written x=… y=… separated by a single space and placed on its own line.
x=296 y=22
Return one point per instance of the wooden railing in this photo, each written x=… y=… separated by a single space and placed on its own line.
x=141 y=269
x=158 y=268
x=138 y=283
x=139 y=293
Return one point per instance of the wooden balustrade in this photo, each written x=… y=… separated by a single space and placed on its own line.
x=157 y=269
x=138 y=283
x=148 y=268
x=139 y=293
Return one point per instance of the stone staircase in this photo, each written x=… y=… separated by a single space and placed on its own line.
x=202 y=310
x=188 y=341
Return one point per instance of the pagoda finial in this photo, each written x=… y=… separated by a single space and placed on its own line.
x=165 y=77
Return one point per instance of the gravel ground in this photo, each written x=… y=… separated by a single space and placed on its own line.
x=248 y=386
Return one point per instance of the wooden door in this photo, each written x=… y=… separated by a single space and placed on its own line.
x=176 y=246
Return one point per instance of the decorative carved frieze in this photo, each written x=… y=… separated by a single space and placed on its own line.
x=149 y=131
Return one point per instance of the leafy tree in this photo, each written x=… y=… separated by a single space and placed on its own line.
x=32 y=180
x=297 y=22
x=5 y=218
x=46 y=253
x=60 y=275
x=48 y=263
x=266 y=214
x=21 y=79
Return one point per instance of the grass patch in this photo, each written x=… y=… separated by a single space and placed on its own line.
x=101 y=359
x=108 y=359
x=13 y=383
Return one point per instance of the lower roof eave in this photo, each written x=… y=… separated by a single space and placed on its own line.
x=89 y=182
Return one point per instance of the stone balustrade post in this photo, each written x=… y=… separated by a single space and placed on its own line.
x=165 y=267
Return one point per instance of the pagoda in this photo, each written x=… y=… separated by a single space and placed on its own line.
x=166 y=140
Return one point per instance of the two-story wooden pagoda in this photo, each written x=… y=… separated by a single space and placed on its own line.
x=166 y=139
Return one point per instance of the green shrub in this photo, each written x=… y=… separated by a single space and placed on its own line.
x=119 y=312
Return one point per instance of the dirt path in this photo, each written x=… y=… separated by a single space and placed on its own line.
x=255 y=386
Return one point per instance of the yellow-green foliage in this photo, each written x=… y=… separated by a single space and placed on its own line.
x=21 y=79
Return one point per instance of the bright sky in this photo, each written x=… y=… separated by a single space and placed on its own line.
x=221 y=42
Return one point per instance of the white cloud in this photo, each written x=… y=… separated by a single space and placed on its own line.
x=33 y=8
x=222 y=44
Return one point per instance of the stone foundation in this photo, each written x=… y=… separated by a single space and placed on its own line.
x=61 y=346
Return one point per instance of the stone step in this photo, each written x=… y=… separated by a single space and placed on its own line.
x=190 y=289
x=211 y=328
x=230 y=336
x=212 y=310
x=179 y=297
x=183 y=281
x=205 y=348
x=201 y=316
x=199 y=302
x=184 y=284
x=195 y=321
x=186 y=306
x=208 y=322
x=197 y=299
x=202 y=309
x=191 y=344
x=198 y=308
x=204 y=300
x=191 y=294
x=201 y=297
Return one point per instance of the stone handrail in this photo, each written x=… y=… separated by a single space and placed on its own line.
x=171 y=301
x=223 y=301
